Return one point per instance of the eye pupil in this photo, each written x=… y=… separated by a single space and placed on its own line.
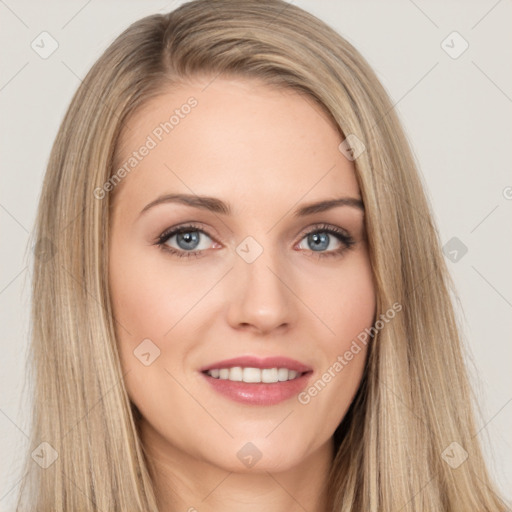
x=188 y=237
x=320 y=241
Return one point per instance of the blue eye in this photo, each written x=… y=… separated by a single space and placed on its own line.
x=189 y=243
x=319 y=239
x=188 y=240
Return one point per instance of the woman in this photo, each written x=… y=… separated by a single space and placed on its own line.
x=244 y=305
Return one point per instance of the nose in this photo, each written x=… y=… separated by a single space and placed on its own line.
x=260 y=295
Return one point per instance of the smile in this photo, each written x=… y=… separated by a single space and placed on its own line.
x=257 y=381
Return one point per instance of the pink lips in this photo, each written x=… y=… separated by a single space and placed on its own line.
x=262 y=394
x=256 y=362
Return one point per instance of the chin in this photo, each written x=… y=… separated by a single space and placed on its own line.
x=259 y=456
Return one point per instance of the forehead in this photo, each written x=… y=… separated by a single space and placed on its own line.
x=234 y=138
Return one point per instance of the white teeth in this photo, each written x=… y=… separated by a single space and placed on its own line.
x=254 y=375
x=269 y=375
x=282 y=374
x=236 y=374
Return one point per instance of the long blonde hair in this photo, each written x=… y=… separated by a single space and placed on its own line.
x=393 y=447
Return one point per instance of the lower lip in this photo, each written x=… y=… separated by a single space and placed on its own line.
x=259 y=393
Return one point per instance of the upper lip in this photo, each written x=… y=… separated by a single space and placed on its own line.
x=257 y=362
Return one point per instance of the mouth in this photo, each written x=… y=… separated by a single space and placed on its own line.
x=254 y=381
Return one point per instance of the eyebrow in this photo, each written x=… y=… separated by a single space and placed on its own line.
x=217 y=206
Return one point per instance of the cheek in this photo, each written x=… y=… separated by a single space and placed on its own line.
x=146 y=307
x=354 y=309
x=347 y=308
x=355 y=314
x=343 y=299
x=147 y=298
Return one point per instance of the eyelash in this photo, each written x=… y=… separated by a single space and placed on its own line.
x=342 y=236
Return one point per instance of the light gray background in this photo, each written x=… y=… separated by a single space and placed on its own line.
x=456 y=112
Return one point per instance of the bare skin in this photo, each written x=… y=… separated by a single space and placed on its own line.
x=265 y=152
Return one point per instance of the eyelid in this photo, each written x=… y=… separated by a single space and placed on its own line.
x=183 y=228
x=323 y=226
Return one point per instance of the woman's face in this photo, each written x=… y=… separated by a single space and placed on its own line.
x=259 y=287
